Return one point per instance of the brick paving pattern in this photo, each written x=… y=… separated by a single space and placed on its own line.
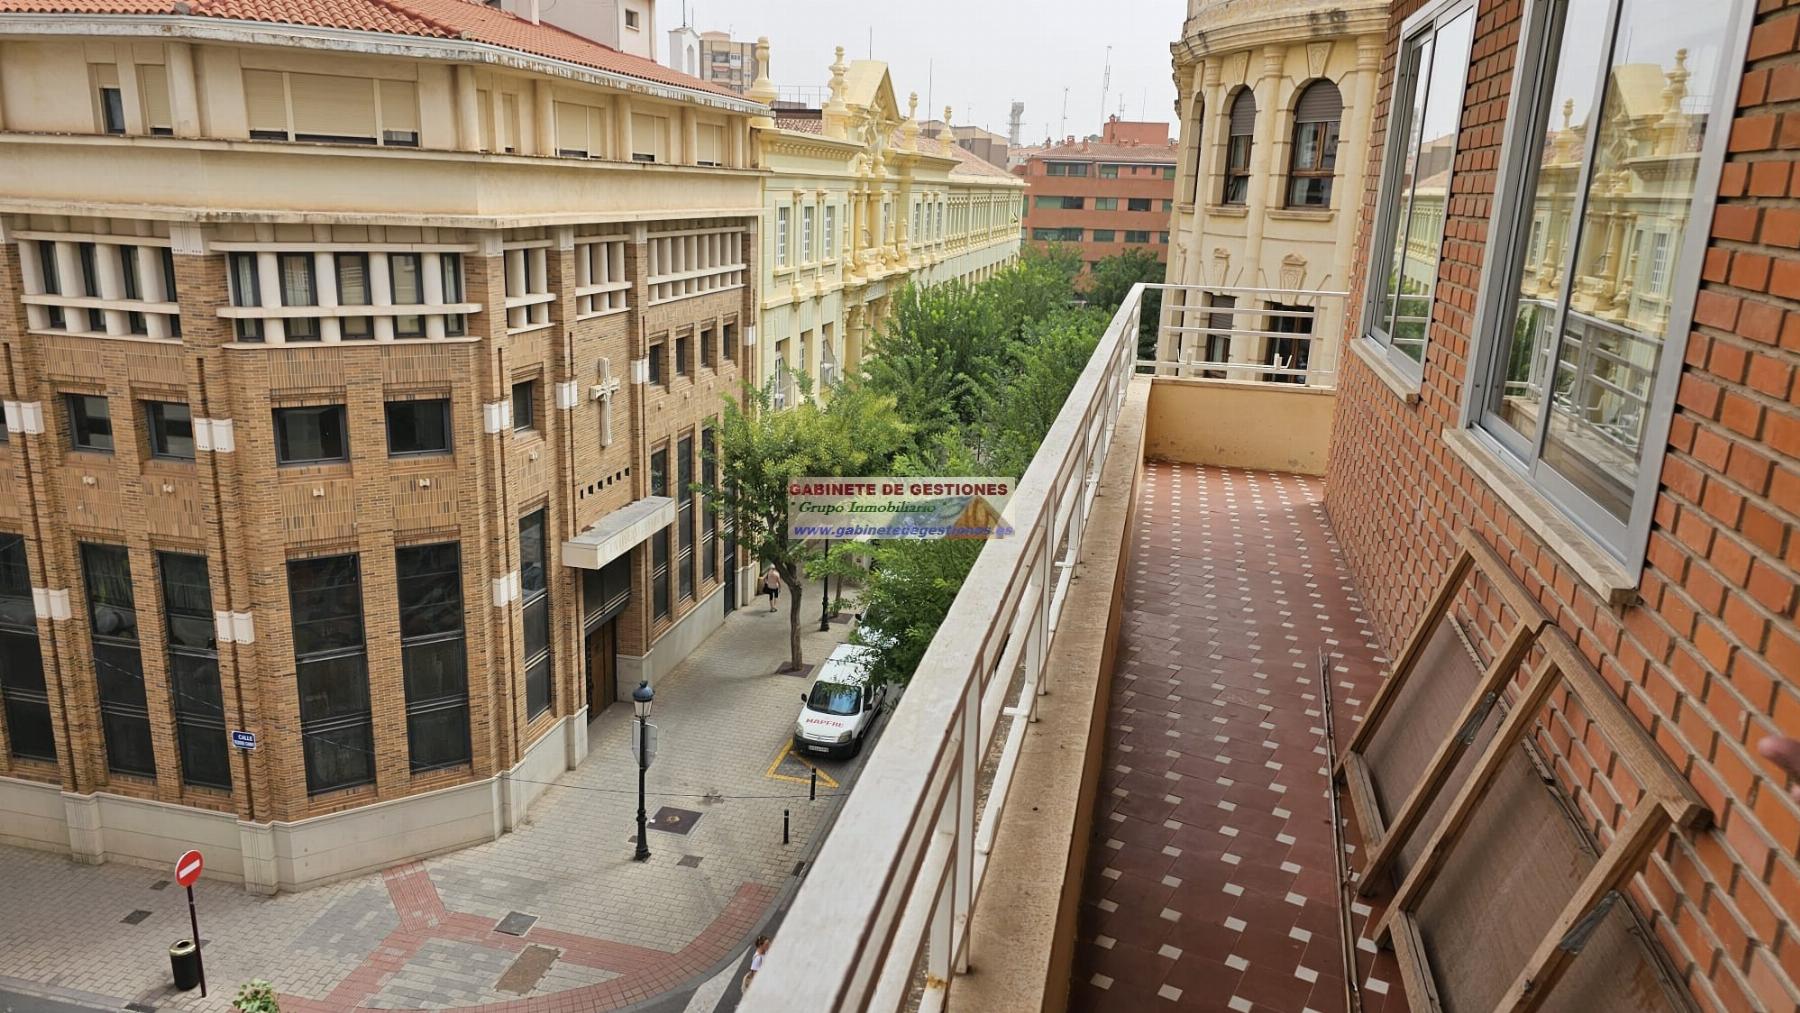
x=423 y=935
x=1211 y=883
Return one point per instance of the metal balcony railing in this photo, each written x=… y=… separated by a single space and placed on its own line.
x=1258 y=335
x=893 y=889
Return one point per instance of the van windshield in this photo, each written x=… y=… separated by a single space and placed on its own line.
x=834 y=698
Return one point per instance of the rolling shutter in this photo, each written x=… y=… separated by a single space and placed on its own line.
x=154 y=87
x=710 y=144
x=572 y=129
x=328 y=106
x=1243 y=114
x=1319 y=103
x=649 y=136
x=399 y=107
x=265 y=100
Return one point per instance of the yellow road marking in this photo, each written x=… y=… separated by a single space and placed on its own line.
x=787 y=753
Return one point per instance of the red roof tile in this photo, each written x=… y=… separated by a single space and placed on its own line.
x=441 y=19
x=1100 y=151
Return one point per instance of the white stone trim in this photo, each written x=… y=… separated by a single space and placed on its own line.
x=51 y=603
x=243 y=628
x=640 y=370
x=215 y=435
x=506 y=589
x=568 y=395
x=25 y=417
x=222 y=626
x=497 y=416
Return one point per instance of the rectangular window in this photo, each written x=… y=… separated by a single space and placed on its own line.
x=683 y=348
x=684 y=514
x=781 y=236
x=1168 y=172
x=118 y=665
x=1162 y=238
x=168 y=268
x=353 y=290
x=24 y=700
x=660 y=602
x=90 y=284
x=728 y=338
x=1168 y=205
x=194 y=691
x=708 y=342
x=1314 y=164
x=90 y=422
x=171 y=429
x=1576 y=387
x=418 y=427
x=134 y=287
x=1409 y=223
x=1288 y=353
x=1137 y=204
x=524 y=406
x=1237 y=165
x=299 y=288
x=311 y=435
x=657 y=375
x=709 y=516
x=829 y=245
x=1104 y=236
x=648 y=135
x=806 y=234
x=1109 y=172
x=52 y=280
x=1066 y=168
x=534 y=596
x=1137 y=236
x=112 y=110
x=408 y=271
x=331 y=672
x=1106 y=203
x=433 y=657
x=246 y=290
x=450 y=269
x=1218 y=334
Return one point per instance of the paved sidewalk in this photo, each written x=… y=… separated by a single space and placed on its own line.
x=609 y=932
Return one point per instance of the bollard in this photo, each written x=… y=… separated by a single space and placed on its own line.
x=812 y=793
x=784 y=826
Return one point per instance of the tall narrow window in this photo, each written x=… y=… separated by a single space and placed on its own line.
x=683 y=351
x=450 y=267
x=709 y=340
x=112 y=103
x=709 y=516
x=806 y=234
x=534 y=592
x=194 y=692
x=47 y=266
x=246 y=290
x=134 y=287
x=90 y=284
x=428 y=579
x=660 y=602
x=1238 y=143
x=781 y=235
x=1575 y=388
x=684 y=515
x=1288 y=353
x=524 y=406
x=829 y=245
x=331 y=672
x=1421 y=145
x=353 y=290
x=23 y=696
x=1313 y=159
x=118 y=665
x=298 y=288
x=408 y=273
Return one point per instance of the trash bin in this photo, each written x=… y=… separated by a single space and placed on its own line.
x=184 y=960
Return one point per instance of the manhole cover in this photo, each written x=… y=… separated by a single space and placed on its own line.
x=689 y=862
x=516 y=923
x=136 y=916
x=674 y=821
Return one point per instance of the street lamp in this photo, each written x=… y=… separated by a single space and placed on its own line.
x=825 y=594
x=641 y=698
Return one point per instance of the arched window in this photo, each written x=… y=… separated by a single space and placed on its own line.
x=1314 y=156
x=1196 y=126
x=1237 y=152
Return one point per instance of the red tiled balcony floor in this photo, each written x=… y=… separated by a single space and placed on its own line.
x=1210 y=884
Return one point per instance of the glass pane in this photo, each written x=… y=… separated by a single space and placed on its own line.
x=353 y=279
x=531 y=553
x=1656 y=104
x=333 y=688
x=438 y=738
x=435 y=671
x=339 y=758
x=205 y=760
x=1516 y=399
x=537 y=687
x=171 y=430
x=28 y=728
x=297 y=280
x=128 y=749
x=1423 y=186
x=21 y=664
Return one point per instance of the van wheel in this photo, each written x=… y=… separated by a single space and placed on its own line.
x=856 y=745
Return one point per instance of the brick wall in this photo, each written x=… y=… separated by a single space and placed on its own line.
x=1708 y=658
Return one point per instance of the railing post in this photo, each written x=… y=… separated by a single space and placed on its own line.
x=1043 y=584
x=963 y=856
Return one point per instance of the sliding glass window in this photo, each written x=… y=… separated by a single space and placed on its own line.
x=428 y=579
x=118 y=664
x=194 y=692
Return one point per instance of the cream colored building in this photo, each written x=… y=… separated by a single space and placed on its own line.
x=356 y=372
x=1275 y=99
x=860 y=202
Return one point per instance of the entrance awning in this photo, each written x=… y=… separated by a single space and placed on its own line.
x=618 y=532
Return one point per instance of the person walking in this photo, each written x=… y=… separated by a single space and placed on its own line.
x=772 y=585
x=756 y=962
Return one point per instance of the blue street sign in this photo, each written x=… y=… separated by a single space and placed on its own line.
x=243 y=739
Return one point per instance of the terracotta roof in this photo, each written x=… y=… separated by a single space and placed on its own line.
x=971 y=164
x=437 y=19
x=801 y=125
x=1100 y=151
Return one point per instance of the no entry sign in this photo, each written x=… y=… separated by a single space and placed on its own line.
x=187 y=868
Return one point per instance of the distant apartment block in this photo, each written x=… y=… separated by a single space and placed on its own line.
x=1103 y=197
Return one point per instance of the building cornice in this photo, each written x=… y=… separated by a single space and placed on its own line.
x=1230 y=28
x=259 y=33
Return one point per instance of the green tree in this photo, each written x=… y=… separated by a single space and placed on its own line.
x=937 y=357
x=760 y=450
x=1111 y=281
x=1046 y=365
x=1040 y=282
x=907 y=595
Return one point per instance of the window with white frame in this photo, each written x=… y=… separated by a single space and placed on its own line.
x=322 y=108
x=1421 y=145
x=99 y=284
x=528 y=295
x=1577 y=372
x=806 y=234
x=829 y=246
x=691 y=262
x=281 y=294
x=600 y=283
x=782 y=216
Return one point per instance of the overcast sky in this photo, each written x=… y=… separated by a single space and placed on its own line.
x=976 y=55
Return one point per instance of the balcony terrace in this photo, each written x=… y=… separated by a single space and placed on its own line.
x=1109 y=784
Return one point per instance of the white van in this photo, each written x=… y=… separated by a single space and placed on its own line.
x=836 y=716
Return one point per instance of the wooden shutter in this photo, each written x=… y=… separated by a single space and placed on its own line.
x=1243 y=114
x=572 y=128
x=265 y=100
x=399 y=106
x=154 y=87
x=329 y=106
x=1319 y=103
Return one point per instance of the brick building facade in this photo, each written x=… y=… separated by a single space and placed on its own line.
x=1103 y=197
x=1656 y=519
x=378 y=448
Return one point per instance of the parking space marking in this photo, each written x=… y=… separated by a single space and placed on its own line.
x=787 y=753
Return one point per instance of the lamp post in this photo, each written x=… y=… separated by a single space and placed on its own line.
x=825 y=594
x=641 y=698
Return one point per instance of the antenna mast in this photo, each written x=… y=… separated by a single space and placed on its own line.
x=1063 y=130
x=1106 y=82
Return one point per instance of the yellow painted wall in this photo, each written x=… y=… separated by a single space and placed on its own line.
x=1264 y=426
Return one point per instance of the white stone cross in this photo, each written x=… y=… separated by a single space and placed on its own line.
x=603 y=392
